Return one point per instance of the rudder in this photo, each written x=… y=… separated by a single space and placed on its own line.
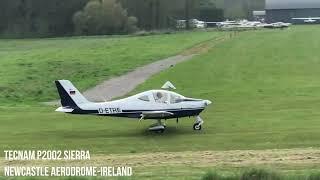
x=70 y=96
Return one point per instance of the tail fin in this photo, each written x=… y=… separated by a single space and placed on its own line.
x=69 y=95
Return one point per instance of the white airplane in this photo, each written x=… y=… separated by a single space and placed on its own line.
x=154 y=104
x=308 y=20
x=277 y=25
x=242 y=24
x=226 y=23
x=198 y=24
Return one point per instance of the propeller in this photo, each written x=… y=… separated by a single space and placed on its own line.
x=207 y=102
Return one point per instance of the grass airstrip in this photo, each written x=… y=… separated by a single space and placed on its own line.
x=264 y=84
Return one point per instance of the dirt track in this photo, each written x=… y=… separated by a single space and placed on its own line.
x=238 y=158
x=217 y=158
x=120 y=86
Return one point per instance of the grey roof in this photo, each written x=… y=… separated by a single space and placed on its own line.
x=292 y=4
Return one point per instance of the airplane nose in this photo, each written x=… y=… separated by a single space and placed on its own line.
x=207 y=102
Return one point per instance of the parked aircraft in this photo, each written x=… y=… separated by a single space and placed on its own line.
x=277 y=25
x=308 y=20
x=245 y=24
x=240 y=24
x=154 y=104
x=224 y=23
x=193 y=23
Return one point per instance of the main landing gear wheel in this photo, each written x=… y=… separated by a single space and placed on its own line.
x=197 y=127
x=160 y=131
x=198 y=124
x=158 y=127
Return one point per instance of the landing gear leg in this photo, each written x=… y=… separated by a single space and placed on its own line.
x=198 y=123
x=177 y=122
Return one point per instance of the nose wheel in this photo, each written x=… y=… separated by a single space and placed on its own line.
x=198 y=124
x=197 y=127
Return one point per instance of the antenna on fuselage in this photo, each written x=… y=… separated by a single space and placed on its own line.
x=168 y=86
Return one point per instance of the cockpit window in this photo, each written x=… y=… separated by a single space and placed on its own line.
x=174 y=99
x=160 y=97
x=144 y=98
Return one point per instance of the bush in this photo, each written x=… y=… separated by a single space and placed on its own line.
x=314 y=176
x=210 y=175
x=154 y=32
x=102 y=17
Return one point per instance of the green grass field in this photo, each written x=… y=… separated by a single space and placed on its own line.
x=30 y=66
x=264 y=84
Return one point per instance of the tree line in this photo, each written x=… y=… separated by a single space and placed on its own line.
x=50 y=18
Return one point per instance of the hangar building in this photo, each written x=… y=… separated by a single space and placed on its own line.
x=285 y=10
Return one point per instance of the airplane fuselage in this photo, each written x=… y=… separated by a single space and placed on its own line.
x=132 y=107
x=153 y=104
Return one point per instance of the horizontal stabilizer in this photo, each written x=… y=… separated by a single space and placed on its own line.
x=64 y=110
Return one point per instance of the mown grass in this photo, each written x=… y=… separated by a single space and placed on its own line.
x=264 y=85
x=198 y=174
x=258 y=174
x=29 y=67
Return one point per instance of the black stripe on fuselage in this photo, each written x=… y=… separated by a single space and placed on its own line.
x=80 y=111
x=137 y=113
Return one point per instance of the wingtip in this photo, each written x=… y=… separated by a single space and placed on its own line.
x=168 y=85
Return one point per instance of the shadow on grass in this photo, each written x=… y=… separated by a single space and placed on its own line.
x=170 y=131
x=112 y=133
x=139 y=132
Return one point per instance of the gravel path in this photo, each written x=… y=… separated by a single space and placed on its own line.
x=122 y=85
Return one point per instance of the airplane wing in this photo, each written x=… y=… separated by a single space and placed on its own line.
x=155 y=114
x=168 y=85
